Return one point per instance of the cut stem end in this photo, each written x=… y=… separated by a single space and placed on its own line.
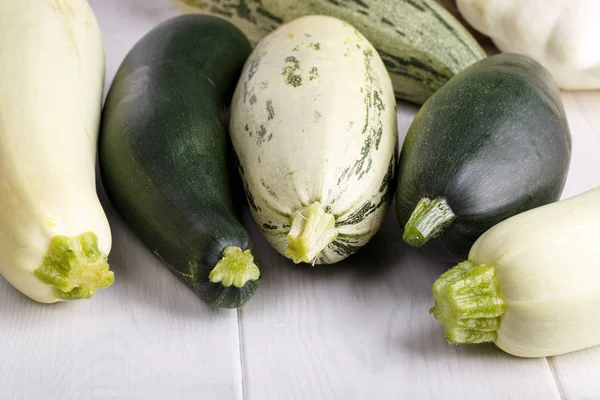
x=235 y=268
x=428 y=220
x=75 y=267
x=312 y=229
x=468 y=303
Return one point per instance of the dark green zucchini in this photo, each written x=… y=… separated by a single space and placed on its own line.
x=165 y=156
x=491 y=143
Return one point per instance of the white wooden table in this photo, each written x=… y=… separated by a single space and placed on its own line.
x=360 y=330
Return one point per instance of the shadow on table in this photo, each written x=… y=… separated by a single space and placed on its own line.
x=428 y=343
x=385 y=263
x=380 y=259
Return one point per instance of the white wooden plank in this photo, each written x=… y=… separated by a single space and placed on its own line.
x=577 y=374
x=145 y=337
x=361 y=329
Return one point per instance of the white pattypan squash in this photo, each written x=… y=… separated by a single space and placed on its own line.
x=563 y=35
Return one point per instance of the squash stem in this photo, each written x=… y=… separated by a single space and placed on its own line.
x=75 y=267
x=428 y=220
x=468 y=303
x=312 y=229
x=235 y=268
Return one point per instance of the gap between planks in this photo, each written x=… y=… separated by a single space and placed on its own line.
x=241 y=350
x=559 y=389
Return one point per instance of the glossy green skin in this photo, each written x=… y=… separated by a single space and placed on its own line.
x=164 y=151
x=494 y=141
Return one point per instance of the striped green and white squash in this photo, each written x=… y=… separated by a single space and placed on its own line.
x=420 y=42
x=313 y=123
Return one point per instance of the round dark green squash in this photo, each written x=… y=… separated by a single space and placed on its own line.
x=491 y=143
x=166 y=160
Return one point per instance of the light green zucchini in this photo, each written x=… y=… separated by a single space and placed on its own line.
x=421 y=44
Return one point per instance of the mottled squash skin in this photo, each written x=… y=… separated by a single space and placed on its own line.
x=313 y=122
x=420 y=42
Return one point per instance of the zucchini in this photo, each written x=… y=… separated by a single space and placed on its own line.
x=165 y=157
x=420 y=42
x=530 y=284
x=54 y=235
x=493 y=142
x=313 y=122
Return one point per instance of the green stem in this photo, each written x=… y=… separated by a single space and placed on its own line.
x=312 y=229
x=428 y=220
x=74 y=267
x=235 y=268
x=468 y=303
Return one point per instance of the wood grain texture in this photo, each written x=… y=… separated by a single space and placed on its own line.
x=357 y=330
